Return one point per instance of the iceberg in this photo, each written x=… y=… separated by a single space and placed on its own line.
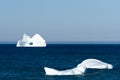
x=80 y=69
x=35 y=41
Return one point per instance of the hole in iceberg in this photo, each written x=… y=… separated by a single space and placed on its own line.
x=31 y=43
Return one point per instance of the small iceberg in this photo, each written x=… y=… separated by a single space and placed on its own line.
x=80 y=69
x=35 y=41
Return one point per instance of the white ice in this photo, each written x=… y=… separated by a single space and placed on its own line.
x=35 y=41
x=80 y=69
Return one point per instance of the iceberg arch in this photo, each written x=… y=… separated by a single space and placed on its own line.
x=80 y=69
x=35 y=41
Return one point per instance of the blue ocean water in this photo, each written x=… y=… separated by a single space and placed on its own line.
x=29 y=63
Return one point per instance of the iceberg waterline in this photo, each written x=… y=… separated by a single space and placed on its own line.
x=35 y=41
x=80 y=69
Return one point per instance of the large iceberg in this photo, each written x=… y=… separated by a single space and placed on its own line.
x=35 y=41
x=80 y=69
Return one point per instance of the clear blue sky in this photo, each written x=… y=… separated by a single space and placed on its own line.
x=60 y=20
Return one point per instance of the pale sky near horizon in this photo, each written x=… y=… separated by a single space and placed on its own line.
x=60 y=20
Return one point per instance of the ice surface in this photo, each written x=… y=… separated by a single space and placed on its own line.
x=80 y=69
x=95 y=64
x=35 y=41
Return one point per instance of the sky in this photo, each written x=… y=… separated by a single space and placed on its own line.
x=60 y=20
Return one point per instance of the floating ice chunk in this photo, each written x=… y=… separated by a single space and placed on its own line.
x=80 y=69
x=35 y=41
x=95 y=64
x=74 y=71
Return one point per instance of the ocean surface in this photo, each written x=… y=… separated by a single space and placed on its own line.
x=29 y=63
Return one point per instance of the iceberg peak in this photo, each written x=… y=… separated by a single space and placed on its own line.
x=35 y=41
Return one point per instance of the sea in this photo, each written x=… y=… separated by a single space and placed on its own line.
x=28 y=63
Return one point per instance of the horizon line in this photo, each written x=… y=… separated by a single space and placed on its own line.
x=69 y=42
